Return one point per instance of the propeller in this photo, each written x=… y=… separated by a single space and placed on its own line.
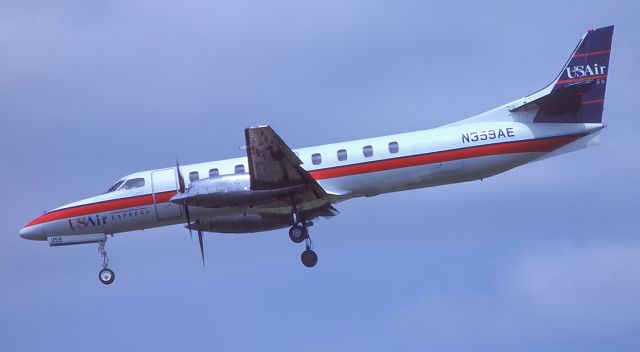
x=201 y=241
x=181 y=189
x=186 y=213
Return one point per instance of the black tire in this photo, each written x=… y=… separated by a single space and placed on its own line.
x=297 y=233
x=309 y=258
x=106 y=276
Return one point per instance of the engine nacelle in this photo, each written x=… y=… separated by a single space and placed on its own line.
x=242 y=223
x=248 y=222
x=228 y=191
x=56 y=241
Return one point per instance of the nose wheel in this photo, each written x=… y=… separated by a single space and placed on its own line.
x=106 y=275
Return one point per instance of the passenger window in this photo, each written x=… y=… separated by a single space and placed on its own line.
x=194 y=176
x=393 y=147
x=367 y=151
x=316 y=158
x=214 y=172
x=114 y=187
x=133 y=183
x=239 y=169
x=342 y=155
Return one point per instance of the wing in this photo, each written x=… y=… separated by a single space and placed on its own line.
x=273 y=165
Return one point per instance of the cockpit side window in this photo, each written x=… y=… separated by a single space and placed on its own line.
x=114 y=187
x=133 y=183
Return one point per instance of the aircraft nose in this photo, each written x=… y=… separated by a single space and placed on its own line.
x=33 y=232
x=26 y=233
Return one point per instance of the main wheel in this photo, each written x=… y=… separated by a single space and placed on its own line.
x=297 y=233
x=309 y=258
x=106 y=276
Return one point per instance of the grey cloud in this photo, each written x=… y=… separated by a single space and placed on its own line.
x=560 y=292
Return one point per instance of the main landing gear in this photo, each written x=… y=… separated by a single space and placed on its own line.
x=105 y=275
x=309 y=257
x=298 y=233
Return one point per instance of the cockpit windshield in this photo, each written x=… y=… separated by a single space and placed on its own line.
x=126 y=184
x=114 y=187
x=133 y=183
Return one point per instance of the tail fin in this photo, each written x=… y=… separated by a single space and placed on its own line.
x=577 y=94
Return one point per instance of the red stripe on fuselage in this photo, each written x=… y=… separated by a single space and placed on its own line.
x=100 y=207
x=532 y=145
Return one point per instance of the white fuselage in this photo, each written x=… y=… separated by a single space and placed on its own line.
x=365 y=167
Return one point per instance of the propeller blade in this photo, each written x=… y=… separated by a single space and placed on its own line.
x=201 y=246
x=180 y=178
x=186 y=213
x=181 y=189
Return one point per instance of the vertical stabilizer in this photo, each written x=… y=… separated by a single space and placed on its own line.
x=579 y=91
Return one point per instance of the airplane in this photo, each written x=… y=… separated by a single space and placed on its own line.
x=276 y=187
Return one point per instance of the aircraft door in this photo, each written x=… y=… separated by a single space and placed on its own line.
x=165 y=183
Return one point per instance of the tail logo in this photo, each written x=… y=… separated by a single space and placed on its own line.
x=585 y=71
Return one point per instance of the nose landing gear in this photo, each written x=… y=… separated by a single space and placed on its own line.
x=105 y=275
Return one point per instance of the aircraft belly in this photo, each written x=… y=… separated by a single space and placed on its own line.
x=425 y=175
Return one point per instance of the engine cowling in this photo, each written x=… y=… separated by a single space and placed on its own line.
x=242 y=223
x=228 y=191
x=250 y=222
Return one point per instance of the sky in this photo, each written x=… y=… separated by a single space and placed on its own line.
x=543 y=257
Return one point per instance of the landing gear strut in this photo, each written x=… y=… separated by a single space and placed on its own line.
x=299 y=232
x=105 y=275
